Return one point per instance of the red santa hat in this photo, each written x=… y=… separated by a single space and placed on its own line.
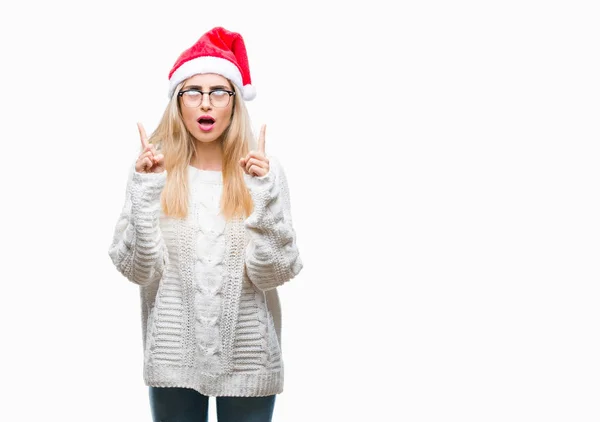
x=218 y=51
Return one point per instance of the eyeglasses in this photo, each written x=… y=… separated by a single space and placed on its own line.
x=193 y=97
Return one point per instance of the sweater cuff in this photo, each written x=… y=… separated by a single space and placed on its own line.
x=146 y=188
x=264 y=191
x=258 y=184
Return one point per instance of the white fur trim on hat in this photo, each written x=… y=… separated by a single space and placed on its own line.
x=206 y=64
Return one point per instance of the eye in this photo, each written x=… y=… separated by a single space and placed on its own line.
x=192 y=93
x=219 y=93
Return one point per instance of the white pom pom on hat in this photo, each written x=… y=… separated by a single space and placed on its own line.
x=217 y=51
x=249 y=92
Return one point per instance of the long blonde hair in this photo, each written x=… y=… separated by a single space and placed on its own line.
x=178 y=146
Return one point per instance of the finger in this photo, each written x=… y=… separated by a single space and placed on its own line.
x=258 y=155
x=147 y=153
x=242 y=163
x=143 y=136
x=148 y=163
x=159 y=164
x=257 y=171
x=261 y=139
x=150 y=152
x=255 y=162
x=154 y=152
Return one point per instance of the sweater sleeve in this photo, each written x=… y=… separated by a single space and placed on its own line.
x=272 y=256
x=138 y=250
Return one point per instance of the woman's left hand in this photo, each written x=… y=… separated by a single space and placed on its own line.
x=256 y=163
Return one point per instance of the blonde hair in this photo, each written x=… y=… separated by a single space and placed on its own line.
x=178 y=146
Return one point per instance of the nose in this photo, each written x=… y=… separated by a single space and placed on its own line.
x=205 y=103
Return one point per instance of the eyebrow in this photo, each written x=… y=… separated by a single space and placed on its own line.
x=211 y=88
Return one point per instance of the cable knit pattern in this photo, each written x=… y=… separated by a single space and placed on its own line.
x=206 y=320
x=272 y=257
x=138 y=250
x=210 y=251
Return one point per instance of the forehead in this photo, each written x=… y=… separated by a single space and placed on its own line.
x=206 y=80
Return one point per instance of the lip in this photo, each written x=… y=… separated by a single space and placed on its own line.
x=206 y=127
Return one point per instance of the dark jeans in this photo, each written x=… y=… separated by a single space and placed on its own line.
x=187 y=405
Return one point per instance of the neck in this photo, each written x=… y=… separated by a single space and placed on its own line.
x=208 y=156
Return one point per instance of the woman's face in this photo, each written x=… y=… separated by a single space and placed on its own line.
x=206 y=118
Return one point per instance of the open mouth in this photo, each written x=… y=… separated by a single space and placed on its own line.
x=206 y=122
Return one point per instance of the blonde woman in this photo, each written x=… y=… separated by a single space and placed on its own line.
x=206 y=232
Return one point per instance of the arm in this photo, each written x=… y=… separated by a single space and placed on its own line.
x=272 y=257
x=137 y=249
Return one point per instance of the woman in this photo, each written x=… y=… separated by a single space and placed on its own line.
x=206 y=232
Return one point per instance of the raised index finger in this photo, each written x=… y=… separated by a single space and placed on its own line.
x=261 y=139
x=143 y=136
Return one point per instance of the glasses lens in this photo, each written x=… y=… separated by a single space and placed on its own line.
x=219 y=98
x=192 y=98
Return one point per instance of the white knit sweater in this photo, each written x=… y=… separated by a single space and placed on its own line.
x=210 y=309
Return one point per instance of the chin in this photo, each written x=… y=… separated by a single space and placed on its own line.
x=206 y=138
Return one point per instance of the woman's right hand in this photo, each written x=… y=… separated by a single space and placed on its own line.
x=149 y=160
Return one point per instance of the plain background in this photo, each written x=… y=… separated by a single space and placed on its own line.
x=443 y=166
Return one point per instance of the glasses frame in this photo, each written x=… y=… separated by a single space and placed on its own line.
x=183 y=91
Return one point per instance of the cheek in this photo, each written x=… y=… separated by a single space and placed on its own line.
x=189 y=117
x=225 y=116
